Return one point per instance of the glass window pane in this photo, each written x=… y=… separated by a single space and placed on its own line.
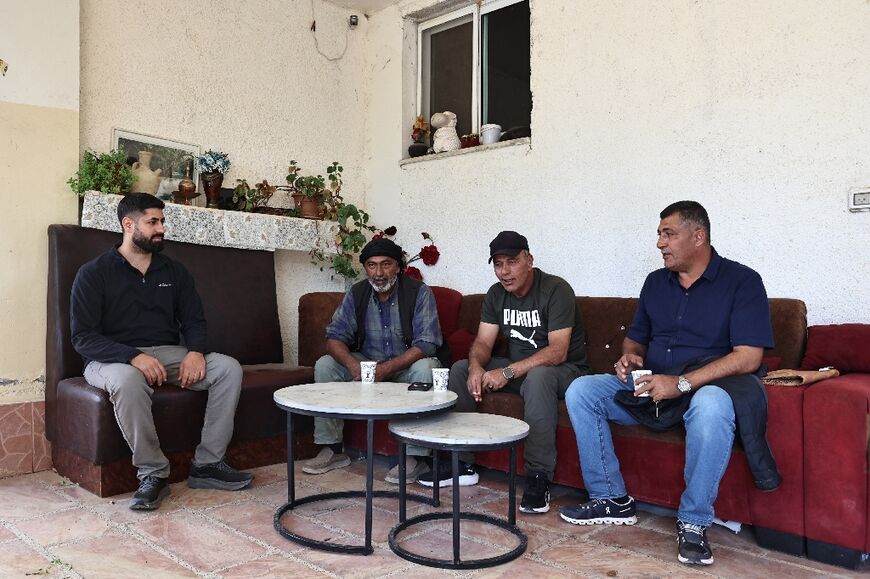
x=449 y=61
x=506 y=88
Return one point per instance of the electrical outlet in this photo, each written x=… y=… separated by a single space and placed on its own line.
x=859 y=199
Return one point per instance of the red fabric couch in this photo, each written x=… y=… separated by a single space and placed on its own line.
x=652 y=463
x=836 y=434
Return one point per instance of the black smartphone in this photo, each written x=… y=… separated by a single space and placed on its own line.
x=420 y=386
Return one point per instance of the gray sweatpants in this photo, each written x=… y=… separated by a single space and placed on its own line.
x=541 y=389
x=328 y=369
x=131 y=399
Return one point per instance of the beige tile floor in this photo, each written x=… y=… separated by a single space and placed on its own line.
x=52 y=528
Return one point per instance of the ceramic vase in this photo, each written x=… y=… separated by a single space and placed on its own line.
x=211 y=183
x=147 y=180
x=186 y=187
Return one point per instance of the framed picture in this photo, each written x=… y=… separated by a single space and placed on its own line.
x=169 y=156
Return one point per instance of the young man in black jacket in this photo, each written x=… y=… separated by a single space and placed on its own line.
x=138 y=322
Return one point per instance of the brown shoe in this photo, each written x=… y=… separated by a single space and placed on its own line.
x=325 y=461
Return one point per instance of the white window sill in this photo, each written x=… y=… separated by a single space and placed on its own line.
x=522 y=141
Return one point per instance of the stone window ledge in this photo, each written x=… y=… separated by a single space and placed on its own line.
x=521 y=142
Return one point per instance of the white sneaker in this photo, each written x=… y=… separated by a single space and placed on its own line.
x=413 y=469
x=325 y=461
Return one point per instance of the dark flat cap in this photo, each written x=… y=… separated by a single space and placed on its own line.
x=381 y=247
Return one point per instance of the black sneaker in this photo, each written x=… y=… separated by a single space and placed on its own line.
x=467 y=475
x=692 y=544
x=536 y=497
x=218 y=475
x=151 y=491
x=601 y=512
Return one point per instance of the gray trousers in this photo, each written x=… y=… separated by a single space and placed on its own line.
x=541 y=389
x=328 y=369
x=131 y=399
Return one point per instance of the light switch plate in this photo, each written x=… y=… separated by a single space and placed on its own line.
x=859 y=199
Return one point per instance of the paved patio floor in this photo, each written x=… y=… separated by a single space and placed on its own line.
x=52 y=528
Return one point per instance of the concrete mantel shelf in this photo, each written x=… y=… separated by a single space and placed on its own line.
x=216 y=227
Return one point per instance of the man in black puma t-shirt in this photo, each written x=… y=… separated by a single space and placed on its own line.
x=538 y=314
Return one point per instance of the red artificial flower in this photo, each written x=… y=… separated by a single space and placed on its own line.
x=425 y=235
x=430 y=255
x=413 y=272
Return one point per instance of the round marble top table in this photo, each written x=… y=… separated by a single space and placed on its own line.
x=354 y=401
x=468 y=430
x=457 y=432
x=358 y=400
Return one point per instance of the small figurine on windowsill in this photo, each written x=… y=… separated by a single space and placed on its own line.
x=446 y=138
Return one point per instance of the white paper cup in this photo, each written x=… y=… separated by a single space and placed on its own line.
x=367 y=369
x=635 y=374
x=439 y=379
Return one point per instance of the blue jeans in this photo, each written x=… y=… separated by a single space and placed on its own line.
x=709 y=424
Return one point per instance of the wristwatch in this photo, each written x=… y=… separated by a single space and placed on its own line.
x=683 y=385
x=508 y=373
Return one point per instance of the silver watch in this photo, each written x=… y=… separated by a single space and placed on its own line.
x=683 y=385
x=508 y=373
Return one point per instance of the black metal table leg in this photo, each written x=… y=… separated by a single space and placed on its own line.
x=512 y=486
x=454 y=457
x=436 y=481
x=370 y=471
x=291 y=467
x=402 y=453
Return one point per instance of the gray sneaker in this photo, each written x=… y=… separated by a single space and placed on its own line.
x=325 y=461
x=413 y=468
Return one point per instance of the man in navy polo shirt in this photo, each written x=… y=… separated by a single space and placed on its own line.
x=700 y=320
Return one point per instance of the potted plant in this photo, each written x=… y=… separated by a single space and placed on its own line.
x=314 y=199
x=212 y=166
x=104 y=172
x=247 y=198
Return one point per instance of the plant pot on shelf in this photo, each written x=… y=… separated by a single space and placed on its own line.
x=297 y=201
x=311 y=207
x=418 y=149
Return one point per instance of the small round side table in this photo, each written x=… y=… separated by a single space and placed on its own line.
x=461 y=432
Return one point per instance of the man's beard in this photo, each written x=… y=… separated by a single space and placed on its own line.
x=385 y=286
x=154 y=244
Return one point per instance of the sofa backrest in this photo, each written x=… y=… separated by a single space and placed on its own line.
x=237 y=288
x=606 y=321
x=316 y=309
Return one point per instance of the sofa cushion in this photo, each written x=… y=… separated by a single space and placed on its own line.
x=86 y=422
x=459 y=343
x=843 y=346
x=447 y=301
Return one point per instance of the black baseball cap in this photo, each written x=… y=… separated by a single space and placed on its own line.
x=507 y=243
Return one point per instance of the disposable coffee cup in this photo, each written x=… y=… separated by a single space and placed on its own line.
x=367 y=369
x=635 y=374
x=439 y=379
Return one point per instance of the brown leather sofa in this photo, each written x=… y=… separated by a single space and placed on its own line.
x=238 y=293
x=652 y=463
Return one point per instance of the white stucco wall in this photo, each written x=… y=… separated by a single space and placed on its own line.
x=758 y=110
x=39 y=39
x=242 y=77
